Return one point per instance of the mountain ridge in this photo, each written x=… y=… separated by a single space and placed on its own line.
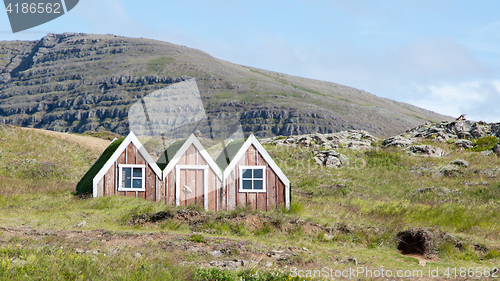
x=75 y=82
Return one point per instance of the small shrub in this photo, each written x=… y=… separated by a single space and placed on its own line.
x=197 y=238
x=210 y=274
x=492 y=254
x=170 y=224
x=296 y=231
x=239 y=229
x=385 y=159
x=320 y=237
x=264 y=230
x=295 y=208
x=101 y=203
x=484 y=143
x=195 y=207
x=141 y=211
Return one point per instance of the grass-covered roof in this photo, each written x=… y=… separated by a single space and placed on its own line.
x=169 y=153
x=228 y=153
x=86 y=183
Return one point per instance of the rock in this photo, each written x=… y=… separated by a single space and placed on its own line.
x=397 y=141
x=359 y=144
x=329 y=158
x=449 y=170
x=82 y=224
x=483 y=183
x=198 y=134
x=460 y=162
x=425 y=150
x=496 y=150
x=464 y=144
x=442 y=190
x=320 y=139
x=353 y=260
x=486 y=153
x=216 y=254
x=424 y=189
x=446 y=191
x=305 y=141
x=193 y=250
x=137 y=255
x=464 y=135
x=489 y=172
x=478 y=131
x=422 y=263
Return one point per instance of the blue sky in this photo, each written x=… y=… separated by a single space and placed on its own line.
x=439 y=55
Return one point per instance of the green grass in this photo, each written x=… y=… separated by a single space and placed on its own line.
x=353 y=211
x=484 y=143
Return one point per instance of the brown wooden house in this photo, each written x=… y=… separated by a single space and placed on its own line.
x=190 y=175
x=251 y=177
x=125 y=168
x=186 y=174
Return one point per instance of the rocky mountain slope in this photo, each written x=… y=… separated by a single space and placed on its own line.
x=80 y=82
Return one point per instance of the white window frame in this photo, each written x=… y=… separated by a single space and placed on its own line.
x=120 y=171
x=264 y=179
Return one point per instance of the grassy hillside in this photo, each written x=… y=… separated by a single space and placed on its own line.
x=87 y=82
x=340 y=218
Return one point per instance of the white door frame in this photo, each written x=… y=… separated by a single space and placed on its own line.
x=178 y=182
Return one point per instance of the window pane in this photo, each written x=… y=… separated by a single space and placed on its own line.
x=126 y=177
x=137 y=183
x=247 y=184
x=137 y=172
x=257 y=173
x=257 y=184
x=247 y=173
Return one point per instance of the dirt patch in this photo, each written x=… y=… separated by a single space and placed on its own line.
x=199 y=221
x=95 y=144
x=212 y=252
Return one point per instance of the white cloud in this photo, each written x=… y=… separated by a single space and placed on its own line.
x=479 y=99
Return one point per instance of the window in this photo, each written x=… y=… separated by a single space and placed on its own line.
x=132 y=178
x=253 y=179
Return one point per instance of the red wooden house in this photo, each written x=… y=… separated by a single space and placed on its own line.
x=125 y=168
x=251 y=177
x=243 y=175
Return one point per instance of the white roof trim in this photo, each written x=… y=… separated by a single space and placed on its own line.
x=252 y=140
x=194 y=141
x=131 y=138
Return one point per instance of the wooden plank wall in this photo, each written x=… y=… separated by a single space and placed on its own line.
x=221 y=196
x=273 y=198
x=108 y=185
x=192 y=156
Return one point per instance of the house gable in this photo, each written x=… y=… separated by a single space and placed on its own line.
x=86 y=183
x=252 y=141
x=192 y=140
x=131 y=138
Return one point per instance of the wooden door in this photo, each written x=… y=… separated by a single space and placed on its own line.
x=191 y=185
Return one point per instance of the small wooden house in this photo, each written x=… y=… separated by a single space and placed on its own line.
x=124 y=168
x=243 y=175
x=190 y=175
x=251 y=177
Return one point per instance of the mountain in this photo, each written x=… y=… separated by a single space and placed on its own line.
x=76 y=82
